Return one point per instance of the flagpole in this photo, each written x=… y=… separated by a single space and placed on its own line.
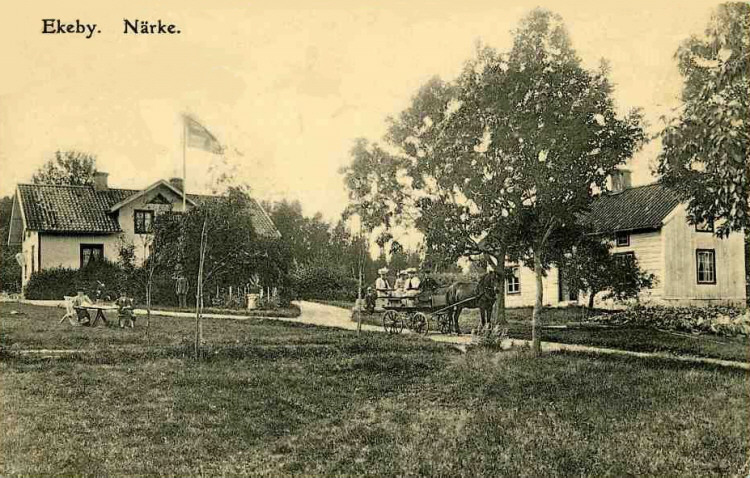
x=184 y=168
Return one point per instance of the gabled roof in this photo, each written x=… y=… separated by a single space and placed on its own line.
x=82 y=209
x=637 y=208
x=143 y=192
x=262 y=222
x=70 y=208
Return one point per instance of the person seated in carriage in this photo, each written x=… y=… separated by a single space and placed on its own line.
x=382 y=288
x=413 y=283
x=400 y=285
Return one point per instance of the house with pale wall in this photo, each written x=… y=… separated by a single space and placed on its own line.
x=68 y=226
x=650 y=224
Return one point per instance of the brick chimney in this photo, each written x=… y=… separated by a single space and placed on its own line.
x=620 y=180
x=177 y=183
x=100 y=181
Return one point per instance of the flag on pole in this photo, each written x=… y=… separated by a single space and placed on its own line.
x=197 y=136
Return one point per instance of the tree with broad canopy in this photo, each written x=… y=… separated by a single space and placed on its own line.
x=503 y=160
x=705 y=154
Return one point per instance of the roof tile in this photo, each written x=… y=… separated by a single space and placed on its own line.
x=82 y=209
x=641 y=207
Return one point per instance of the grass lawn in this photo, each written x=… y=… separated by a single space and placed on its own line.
x=283 y=399
x=637 y=339
x=291 y=311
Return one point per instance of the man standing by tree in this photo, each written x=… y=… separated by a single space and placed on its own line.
x=181 y=287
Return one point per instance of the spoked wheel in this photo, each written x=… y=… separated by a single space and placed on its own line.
x=420 y=324
x=392 y=322
x=444 y=323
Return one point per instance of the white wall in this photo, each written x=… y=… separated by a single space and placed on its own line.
x=30 y=251
x=649 y=252
x=65 y=250
x=527 y=295
x=682 y=286
x=127 y=224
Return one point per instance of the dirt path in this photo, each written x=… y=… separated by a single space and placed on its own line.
x=330 y=316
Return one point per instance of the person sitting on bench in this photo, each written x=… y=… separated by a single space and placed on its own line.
x=79 y=300
x=125 y=310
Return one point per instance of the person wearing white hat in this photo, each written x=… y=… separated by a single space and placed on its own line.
x=400 y=284
x=381 y=284
x=412 y=283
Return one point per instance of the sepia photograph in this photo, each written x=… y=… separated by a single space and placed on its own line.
x=375 y=239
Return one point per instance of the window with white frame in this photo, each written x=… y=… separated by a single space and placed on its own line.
x=705 y=263
x=91 y=253
x=143 y=221
x=625 y=258
x=513 y=280
x=622 y=239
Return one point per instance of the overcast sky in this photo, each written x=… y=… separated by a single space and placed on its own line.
x=289 y=85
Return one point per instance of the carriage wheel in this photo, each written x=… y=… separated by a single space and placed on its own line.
x=444 y=322
x=391 y=322
x=399 y=327
x=420 y=324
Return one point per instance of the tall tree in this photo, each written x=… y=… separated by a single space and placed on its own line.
x=705 y=148
x=560 y=135
x=67 y=167
x=510 y=153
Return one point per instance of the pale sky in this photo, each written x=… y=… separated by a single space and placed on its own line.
x=289 y=84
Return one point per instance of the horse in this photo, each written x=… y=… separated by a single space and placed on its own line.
x=484 y=293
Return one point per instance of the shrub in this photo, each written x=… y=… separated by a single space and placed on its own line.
x=100 y=279
x=720 y=320
x=321 y=282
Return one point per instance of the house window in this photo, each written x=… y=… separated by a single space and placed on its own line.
x=33 y=265
x=91 y=253
x=704 y=226
x=705 y=262
x=513 y=280
x=143 y=222
x=625 y=257
x=622 y=239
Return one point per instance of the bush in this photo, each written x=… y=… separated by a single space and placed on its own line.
x=720 y=320
x=101 y=279
x=321 y=282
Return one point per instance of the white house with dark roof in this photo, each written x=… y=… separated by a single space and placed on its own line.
x=68 y=226
x=692 y=266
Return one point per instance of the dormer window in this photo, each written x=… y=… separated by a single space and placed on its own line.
x=622 y=239
x=143 y=222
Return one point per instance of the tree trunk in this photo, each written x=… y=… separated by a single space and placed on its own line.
x=498 y=311
x=536 y=343
x=591 y=302
x=148 y=311
x=199 y=294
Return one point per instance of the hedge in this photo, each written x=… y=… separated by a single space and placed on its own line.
x=99 y=279
x=720 y=320
x=321 y=282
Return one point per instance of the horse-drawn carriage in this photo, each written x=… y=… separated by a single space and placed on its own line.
x=439 y=305
x=416 y=312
